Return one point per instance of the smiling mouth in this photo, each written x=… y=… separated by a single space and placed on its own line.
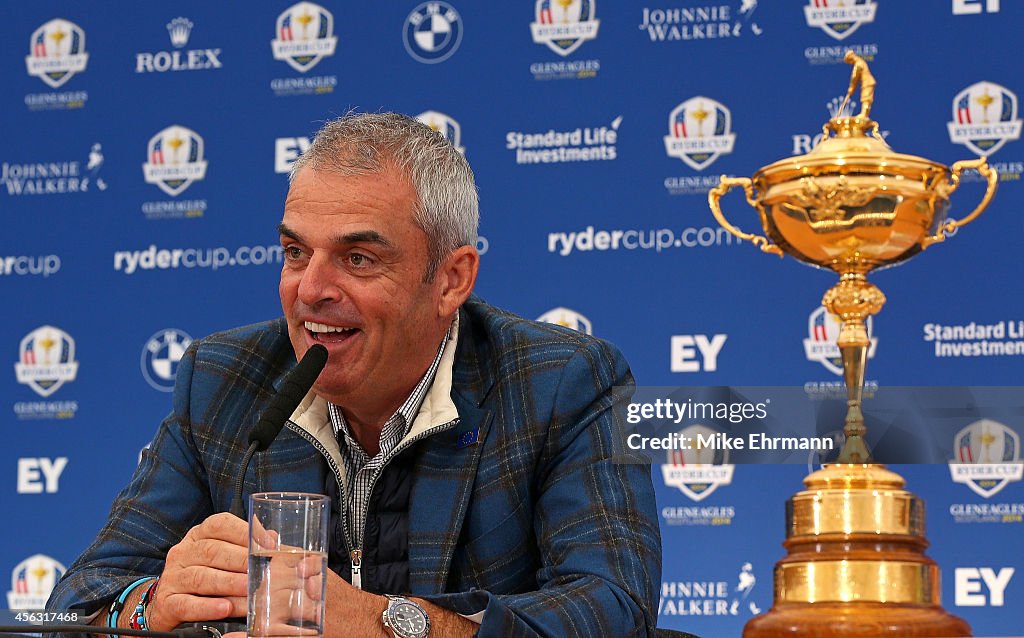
x=323 y=333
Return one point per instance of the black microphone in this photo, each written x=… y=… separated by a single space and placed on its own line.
x=295 y=386
x=31 y=628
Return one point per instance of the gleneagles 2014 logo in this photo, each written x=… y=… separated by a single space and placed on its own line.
x=699 y=132
x=57 y=52
x=987 y=457
x=821 y=344
x=564 y=25
x=32 y=580
x=839 y=19
x=984 y=118
x=46 y=360
x=699 y=471
x=568 y=318
x=446 y=125
x=305 y=35
x=175 y=159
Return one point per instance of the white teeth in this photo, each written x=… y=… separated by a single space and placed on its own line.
x=321 y=327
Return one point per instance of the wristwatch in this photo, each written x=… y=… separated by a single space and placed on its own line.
x=405 y=618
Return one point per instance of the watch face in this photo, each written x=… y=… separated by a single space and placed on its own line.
x=408 y=619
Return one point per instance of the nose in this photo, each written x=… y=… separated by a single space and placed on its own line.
x=320 y=281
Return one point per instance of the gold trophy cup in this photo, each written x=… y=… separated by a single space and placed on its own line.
x=856 y=566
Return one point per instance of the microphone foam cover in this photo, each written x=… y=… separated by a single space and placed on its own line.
x=295 y=386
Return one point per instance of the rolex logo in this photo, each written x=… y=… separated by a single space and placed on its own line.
x=179 y=30
x=835 y=109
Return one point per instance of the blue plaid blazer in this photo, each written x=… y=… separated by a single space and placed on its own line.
x=538 y=523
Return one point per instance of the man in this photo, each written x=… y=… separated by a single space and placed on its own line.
x=468 y=453
x=860 y=74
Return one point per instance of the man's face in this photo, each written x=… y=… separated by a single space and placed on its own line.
x=352 y=280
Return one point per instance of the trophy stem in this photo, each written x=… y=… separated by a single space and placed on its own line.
x=855 y=450
x=853 y=300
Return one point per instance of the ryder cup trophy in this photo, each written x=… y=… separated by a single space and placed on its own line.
x=856 y=565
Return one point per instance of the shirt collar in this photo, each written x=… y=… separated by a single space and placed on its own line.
x=398 y=426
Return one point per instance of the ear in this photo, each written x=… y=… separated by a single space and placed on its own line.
x=455 y=278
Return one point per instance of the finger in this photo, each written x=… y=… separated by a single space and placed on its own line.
x=261 y=537
x=285 y=629
x=174 y=609
x=281 y=604
x=203 y=581
x=314 y=587
x=311 y=565
x=275 y=608
x=239 y=606
x=213 y=553
x=277 y=574
x=282 y=561
x=305 y=608
x=223 y=526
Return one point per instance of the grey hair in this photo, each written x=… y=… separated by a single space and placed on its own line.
x=447 y=208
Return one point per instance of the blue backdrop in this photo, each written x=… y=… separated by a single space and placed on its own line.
x=143 y=150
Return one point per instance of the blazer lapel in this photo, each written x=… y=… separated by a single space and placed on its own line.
x=446 y=467
x=443 y=482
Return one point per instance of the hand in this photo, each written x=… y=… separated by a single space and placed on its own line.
x=287 y=594
x=204 y=576
x=354 y=613
x=351 y=612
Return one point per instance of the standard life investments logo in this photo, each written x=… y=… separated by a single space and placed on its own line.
x=581 y=144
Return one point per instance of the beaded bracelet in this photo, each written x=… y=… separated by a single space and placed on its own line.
x=138 y=619
x=118 y=605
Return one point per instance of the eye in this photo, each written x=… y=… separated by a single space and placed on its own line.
x=359 y=260
x=292 y=253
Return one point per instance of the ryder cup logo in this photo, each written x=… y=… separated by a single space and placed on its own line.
x=822 y=335
x=175 y=159
x=57 y=52
x=563 y=25
x=568 y=318
x=699 y=130
x=699 y=470
x=839 y=18
x=305 y=34
x=432 y=32
x=987 y=457
x=445 y=125
x=32 y=581
x=160 y=357
x=984 y=118
x=47 y=360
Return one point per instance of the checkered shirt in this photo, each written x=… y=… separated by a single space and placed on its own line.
x=361 y=471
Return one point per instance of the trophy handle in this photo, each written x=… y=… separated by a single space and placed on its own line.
x=989 y=173
x=724 y=186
